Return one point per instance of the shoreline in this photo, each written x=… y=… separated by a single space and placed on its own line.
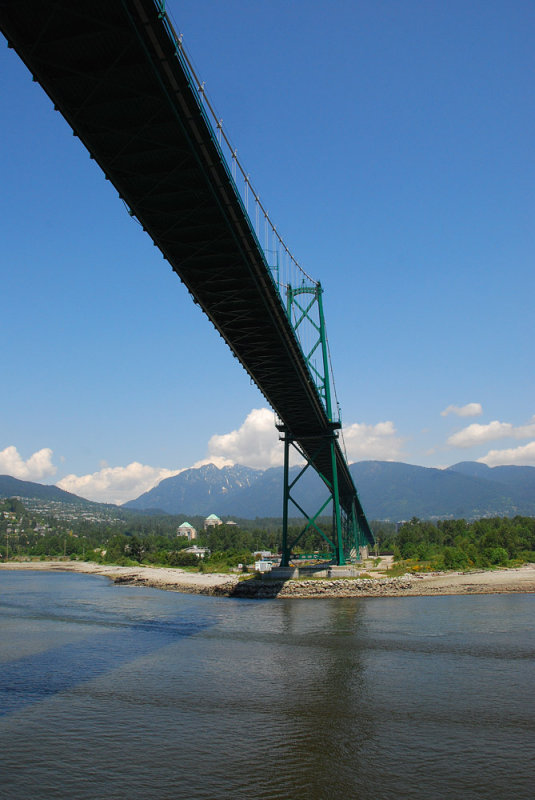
x=501 y=581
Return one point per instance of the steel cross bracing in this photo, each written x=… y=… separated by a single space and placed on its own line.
x=113 y=70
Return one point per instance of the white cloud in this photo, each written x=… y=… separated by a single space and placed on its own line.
x=218 y=461
x=518 y=456
x=372 y=442
x=37 y=467
x=116 y=484
x=469 y=410
x=525 y=431
x=479 y=434
x=255 y=444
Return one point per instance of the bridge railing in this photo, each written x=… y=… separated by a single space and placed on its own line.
x=286 y=272
x=284 y=266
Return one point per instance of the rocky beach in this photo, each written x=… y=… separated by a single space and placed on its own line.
x=499 y=581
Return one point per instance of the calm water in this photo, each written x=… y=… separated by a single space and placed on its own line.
x=119 y=692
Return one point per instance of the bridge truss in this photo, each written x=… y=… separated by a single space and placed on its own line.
x=119 y=75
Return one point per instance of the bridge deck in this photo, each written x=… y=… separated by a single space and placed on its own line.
x=110 y=67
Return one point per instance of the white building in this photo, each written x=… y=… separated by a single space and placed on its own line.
x=200 y=552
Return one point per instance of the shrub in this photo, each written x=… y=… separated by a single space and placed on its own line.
x=497 y=556
x=178 y=558
x=455 y=558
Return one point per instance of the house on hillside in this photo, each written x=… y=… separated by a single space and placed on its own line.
x=212 y=521
x=186 y=530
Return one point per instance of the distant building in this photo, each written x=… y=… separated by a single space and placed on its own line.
x=212 y=521
x=187 y=530
x=200 y=552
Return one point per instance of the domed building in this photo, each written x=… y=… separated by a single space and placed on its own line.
x=212 y=521
x=186 y=530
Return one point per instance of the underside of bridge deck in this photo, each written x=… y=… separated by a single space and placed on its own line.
x=112 y=70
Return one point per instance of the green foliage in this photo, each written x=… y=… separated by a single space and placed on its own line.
x=116 y=548
x=497 y=556
x=223 y=560
x=455 y=558
x=178 y=558
x=13 y=505
x=457 y=544
x=223 y=538
x=400 y=568
x=151 y=539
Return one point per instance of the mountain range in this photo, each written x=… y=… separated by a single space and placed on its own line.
x=388 y=491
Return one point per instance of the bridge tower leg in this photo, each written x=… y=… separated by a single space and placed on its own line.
x=355 y=531
x=334 y=541
x=285 y=560
x=337 y=517
x=311 y=311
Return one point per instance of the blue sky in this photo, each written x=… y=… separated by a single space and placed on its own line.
x=392 y=143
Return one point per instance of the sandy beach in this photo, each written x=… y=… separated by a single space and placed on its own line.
x=158 y=577
x=520 y=579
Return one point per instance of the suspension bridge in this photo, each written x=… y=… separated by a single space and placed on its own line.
x=119 y=74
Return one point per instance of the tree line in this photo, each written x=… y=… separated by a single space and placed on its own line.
x=458 y=544
x=152 y=539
